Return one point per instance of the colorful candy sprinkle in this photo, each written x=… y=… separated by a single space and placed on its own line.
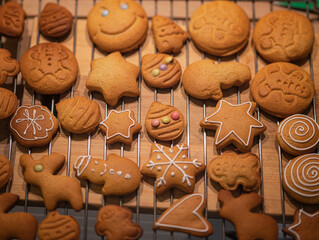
x=169 y=60
x=166 y=119
x=105 y=13
x=155 y=123
x=38 y=168
x=175 y=115
x=155 y=72
x=163 y=67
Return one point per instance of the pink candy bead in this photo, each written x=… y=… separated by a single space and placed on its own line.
x=175 y=115
x=155 y=123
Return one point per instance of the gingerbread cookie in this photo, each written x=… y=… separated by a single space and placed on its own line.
x=231 y=170
x=160 y=70
x=78 y=114
x=116 y=25
x=168 y=36
x=12 y=18
x=120 y=126
x=186 y=215
x=282 y=89
x=49 y=68
x=8 y=103
x=164 y=122
x=5 y=171
x=8 y=65
x=54 y=188
x=113 y=77
x=57 y=226
x=283 y=36
x=300 y=178
x=55 y=21
x=115 y=223
x=234 y=124
x=172 y=168
x=119 y=175
x=33 y=126
x=205 y=80
x=298 y=134
x=17 y=225
x=249 y=225
x=220 y=28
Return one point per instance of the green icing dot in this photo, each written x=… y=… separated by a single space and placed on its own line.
x=38 y=168
x=155 y=72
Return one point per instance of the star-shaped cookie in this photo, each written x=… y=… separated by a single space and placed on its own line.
x=234 y=124
x=305 y=226
x=120 y=126
x=113 y=77
x=172 y=168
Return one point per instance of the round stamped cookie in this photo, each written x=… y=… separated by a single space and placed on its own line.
x=5 y=171
x=283 y=36
x=220 y=28
x=298 y=134
x=282 y=89
x=301 y=178
x=8 y=103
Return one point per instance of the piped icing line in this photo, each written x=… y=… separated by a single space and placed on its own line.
x=105 y=170
x=194 y=212
x=78 y=163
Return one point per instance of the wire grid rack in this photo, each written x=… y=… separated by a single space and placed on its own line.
x=224 y=230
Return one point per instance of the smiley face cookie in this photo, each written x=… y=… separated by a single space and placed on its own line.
x=12 y=18
x=117 y=25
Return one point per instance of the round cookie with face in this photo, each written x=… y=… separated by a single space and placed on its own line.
x=117 y=25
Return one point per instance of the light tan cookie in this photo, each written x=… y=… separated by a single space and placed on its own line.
x=120 y=126
x=220 y=28
x=115 y=223
x=78 y=114
x=168 y=36
x=8 y=103
x=249 y=225
x=113 y=77
x=282 y=89
x=49 y=68
x=8 y=65
x=234 y=124
x=186 y=215
x=172 y=168
x=160 y=70
x=205 y=80
x=5 y=171
x=12 y=18
x=33 y=126
x=300 y=178
x=283 y=36
x=298 y=134
x=17 y=225
x=54 y=188
x=231 y=170
x=59 y=227
x=117 y=25
x=164 y=122
x=119 y=175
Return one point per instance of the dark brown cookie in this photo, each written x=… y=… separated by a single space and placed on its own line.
x=8 y=66
x=5 y=171
x=12 y=18
x=8 y=103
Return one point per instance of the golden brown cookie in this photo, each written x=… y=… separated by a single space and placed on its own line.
x=205 y=80
x=220 y=28
x=113 y=77
x=283 y=36
x=59 y=227
x=8 y=66
x=164 y=122
x=282 y=89
x=160 y=70
x=169 y=37
x=55 y=21
x=115 y=223
x=49 y=68
x=78 y=114
x=12 y=18
x=117 y=25
x=8 y=103
x=33 y=126
x=5 y=171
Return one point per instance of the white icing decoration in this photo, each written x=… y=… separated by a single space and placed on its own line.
x=158 y=157
x=96 y=163
x=119 y=173
x=171 y=150
x=111 y=171
x=159 y=168
x=172 y=174
x=127 y=176
x=102 y=173
x=92 y=170
x=78 y=163
x=185 y=167
x=184 y=156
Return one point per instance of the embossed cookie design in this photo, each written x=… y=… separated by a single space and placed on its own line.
x=283 y=36
x=282 y=89
x=12 y=18
x=5 y=171
x=8 y=103
x=49 y=68
x=8 y=66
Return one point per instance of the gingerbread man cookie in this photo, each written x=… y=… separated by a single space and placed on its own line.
x=12 y=18
x=8 y=66
x=8 y=103
x=5 y=171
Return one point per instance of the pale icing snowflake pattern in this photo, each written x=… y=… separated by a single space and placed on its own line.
x=31 y=121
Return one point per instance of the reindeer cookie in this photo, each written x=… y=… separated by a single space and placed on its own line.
x=18 y=225
x=248 y=225
x=12 y=18
x=54 y=189
x=8 y=66
x=119 y=175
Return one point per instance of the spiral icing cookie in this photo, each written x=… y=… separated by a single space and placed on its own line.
x=5 y=171
x=282 y=89
x=161 y=70
x=220 y=28
x=117 y=25
x=283 y=36
x=301 y=178
x=12 y=18
x=8 y=103
x=164 y=122
x=298 y=134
